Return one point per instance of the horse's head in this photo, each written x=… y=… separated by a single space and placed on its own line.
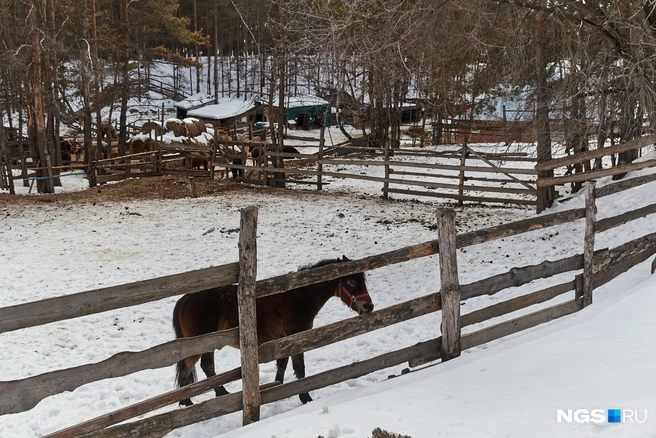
x=352 y=290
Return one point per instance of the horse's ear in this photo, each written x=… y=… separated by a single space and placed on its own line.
x=344 y=258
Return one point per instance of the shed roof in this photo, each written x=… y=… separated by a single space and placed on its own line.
x=194 y=101
x=299 y=101
x=226 y=108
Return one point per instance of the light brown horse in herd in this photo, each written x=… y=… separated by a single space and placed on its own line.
x=278 y=316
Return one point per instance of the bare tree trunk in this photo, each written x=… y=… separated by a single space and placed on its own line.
x=279 y=178
x=85 y=54
x=53 y=101
x=45 y=184
x=197 y=50
x=546 y=195
x=93 y=151
x=216 y=51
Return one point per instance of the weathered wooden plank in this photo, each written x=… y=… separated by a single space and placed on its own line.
x=500 y=200
x=254 y=142
x=114 y=297
x=21 y=395
x=517 y=303
x=186 y=172
x=470 y=188
x=504 y=156
x=504 y=170
x=588 y=241
x=348 y=328
x=623 y=264
x=149 y=405
x=597 y=153
x=166 y=147
x=248 y=315
x=450 y=285
x=625 y=184
x=351 y=371
x=299 y=138
x=518 y=227
x=615 y=221
x=293 y=280
x=424 y=174
x=518 y=324
x=489 y=189
x=126 y=157
x=619 y=254
x=595 y=174
x=102 y=179
x=161 y=424
x=519 y=276
x=468 y=178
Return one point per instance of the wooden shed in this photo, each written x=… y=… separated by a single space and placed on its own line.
x=227 y=112
x=191 y=103
x=305 y=111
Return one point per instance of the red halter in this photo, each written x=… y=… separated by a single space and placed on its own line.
x=352 y=298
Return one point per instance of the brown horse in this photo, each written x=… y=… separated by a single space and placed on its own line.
x=200 y=160
x=67 y=150
x=257 y=154
x=278 y=316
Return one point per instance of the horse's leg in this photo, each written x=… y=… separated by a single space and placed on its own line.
x=207 y=365
x=281 y=366
x=298 y=363
x=186 y=375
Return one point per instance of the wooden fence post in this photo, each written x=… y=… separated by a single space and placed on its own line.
x=320 y=157
x=247 y=315
x=215 y=147
x=387 y=171
x=192 y=187
x=450 y=286
x=588 y=242
x=461 y=179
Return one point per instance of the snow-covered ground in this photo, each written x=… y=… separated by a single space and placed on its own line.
x=597 y=358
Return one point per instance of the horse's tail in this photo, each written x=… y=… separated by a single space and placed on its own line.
x=183 y=375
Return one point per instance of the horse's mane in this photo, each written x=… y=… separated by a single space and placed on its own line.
x=360 y=275
x=320 y=263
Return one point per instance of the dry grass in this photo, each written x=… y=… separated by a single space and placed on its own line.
x=163 y=187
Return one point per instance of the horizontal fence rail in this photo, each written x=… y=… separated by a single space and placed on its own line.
x=114 y=297
x=21 y=395
x=597 y=153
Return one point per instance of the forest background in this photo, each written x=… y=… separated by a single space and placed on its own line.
x=587 y=65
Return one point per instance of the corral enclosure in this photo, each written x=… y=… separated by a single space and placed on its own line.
x=354 y=233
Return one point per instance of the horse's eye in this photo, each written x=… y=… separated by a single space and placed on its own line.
x=350 y=282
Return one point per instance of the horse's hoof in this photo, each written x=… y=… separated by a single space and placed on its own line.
x=185 y=403
x=305 y=398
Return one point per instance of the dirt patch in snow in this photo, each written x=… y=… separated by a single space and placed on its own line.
x=162 y=187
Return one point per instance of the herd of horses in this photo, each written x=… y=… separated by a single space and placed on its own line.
x=255 y=153
x=277 y=316
x=198 y=160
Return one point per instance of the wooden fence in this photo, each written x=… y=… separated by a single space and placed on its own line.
x=597 y=154
x=598 y=267
x=480 y=181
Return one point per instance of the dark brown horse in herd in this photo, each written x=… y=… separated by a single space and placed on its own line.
x=278 y=316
